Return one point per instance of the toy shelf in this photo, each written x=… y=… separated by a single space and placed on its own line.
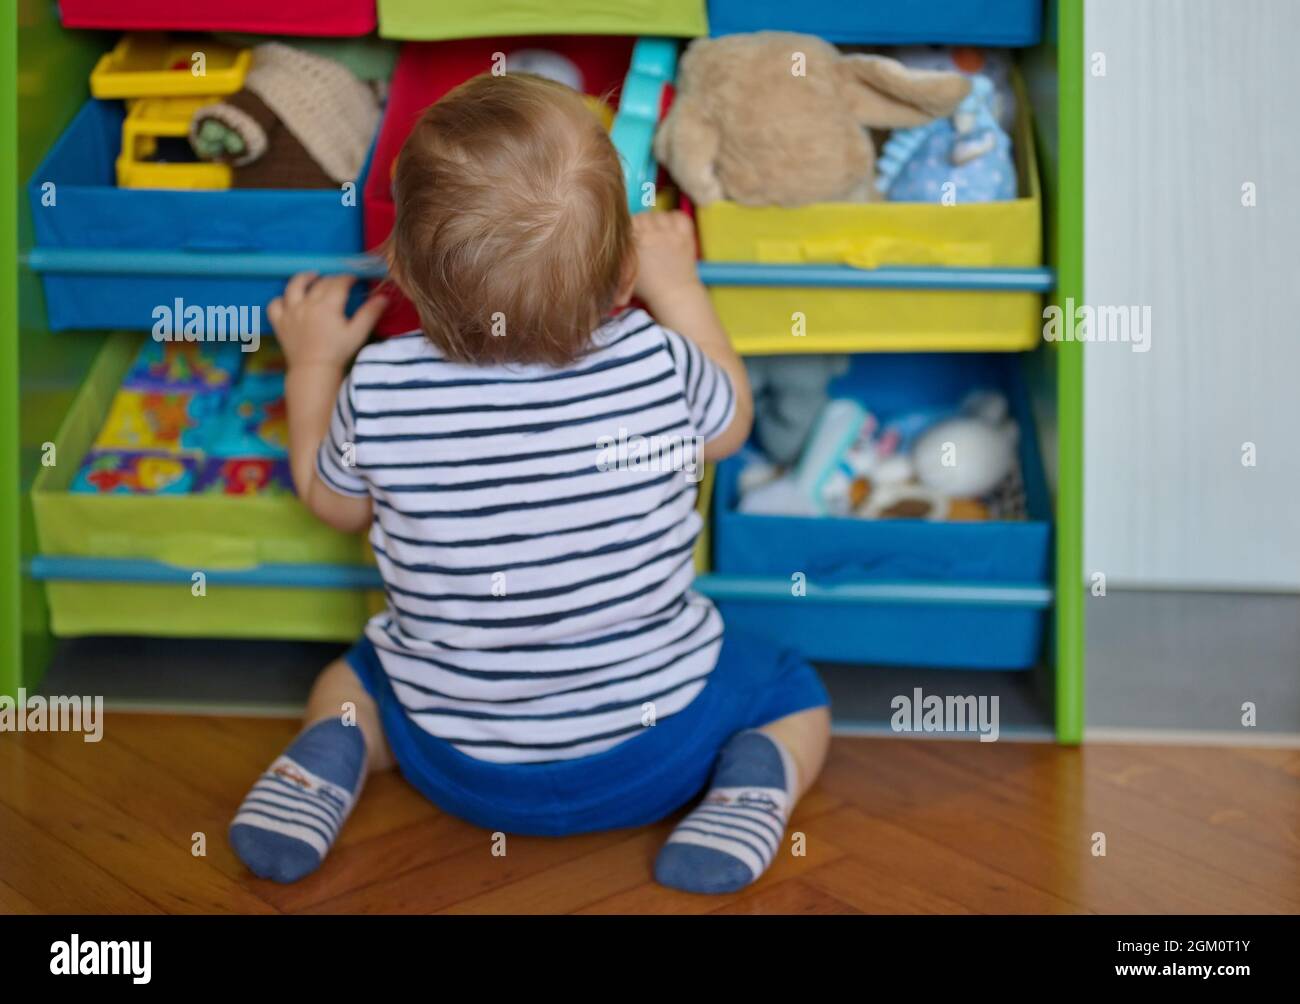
x=718 y=275
x=94 y=261
x=48 y=568
x=43 y=375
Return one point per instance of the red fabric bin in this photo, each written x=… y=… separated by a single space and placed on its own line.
x=287 y=17
x=428 y=70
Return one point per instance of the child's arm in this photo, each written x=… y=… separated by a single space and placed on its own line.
x=319 y=341
x=669 y=284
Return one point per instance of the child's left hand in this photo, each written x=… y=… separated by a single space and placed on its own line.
x=311 y=321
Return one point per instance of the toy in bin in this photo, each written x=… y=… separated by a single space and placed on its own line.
x=556 y=66
x=929 y=464
x=156 y=420
x=120 y=472
x=245 y=476
x=995 y=64
x=255 y=423
x=152 y=64
x=300 y=120
x=742 y=123
x=789 y=393
x=266 y=365
x=184 y=366
x=966 y=158
x=646 y=97
x=164 y=80
x=156 y=152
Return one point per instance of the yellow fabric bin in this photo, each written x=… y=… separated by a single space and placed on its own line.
x=869 y=235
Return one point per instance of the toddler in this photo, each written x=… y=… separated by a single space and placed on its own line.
x=526 y=464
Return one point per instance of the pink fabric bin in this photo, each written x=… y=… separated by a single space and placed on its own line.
x=280 y=17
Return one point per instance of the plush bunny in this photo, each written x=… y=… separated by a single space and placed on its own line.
x=776 y=118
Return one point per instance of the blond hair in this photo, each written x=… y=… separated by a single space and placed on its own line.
x=512 y=233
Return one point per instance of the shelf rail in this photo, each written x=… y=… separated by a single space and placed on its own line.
x=269 y=265
x=48 y=568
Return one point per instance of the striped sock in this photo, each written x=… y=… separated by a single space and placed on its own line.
x=287 y=823
x=730 y=838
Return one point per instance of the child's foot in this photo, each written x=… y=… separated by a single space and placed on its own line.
x=732 y=835
x=287 y=823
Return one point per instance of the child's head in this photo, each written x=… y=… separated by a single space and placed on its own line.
x=513 y=236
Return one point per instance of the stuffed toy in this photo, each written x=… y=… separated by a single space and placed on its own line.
x=968 y=455
x=929 y=464
x=301 y=121
x=780 y=119
x=789 y=393
x=967 y=158
x=994 y=64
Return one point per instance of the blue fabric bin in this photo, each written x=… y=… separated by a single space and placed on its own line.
x=887 y=22
x=989 y=609
x=89 y=213
x=868 y=634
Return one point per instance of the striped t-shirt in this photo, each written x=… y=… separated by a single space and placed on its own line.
x=534 y=528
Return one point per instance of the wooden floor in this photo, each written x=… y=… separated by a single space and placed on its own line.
x=894 y=826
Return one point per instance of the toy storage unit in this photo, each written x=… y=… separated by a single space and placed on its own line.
x=962 y=297
x=108 y=257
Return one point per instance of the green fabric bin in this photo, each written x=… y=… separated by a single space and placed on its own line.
x=429 y=20
x=193 y=533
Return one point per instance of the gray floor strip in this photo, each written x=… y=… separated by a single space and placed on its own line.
x=1189 y=661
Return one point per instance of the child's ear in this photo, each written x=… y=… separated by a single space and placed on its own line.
x=626 y=281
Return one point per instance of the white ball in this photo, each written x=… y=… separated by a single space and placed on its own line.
x=964 y=457
x=546 y=63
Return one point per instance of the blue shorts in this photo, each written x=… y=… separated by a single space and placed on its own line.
x=636 y=783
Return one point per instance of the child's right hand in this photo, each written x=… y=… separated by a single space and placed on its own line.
x=665 y=247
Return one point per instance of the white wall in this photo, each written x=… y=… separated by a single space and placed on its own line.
x=1198 y=98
